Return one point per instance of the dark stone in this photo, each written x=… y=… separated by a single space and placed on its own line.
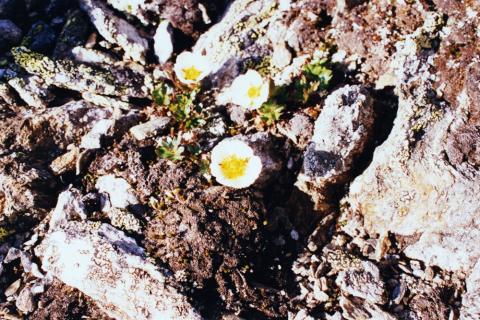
x=318 y=163
x=10 y=35
x=74 y=33
x=40 y=38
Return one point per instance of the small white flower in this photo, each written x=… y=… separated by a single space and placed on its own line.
x=191 y=68
x=249 y=90
x=233 y=164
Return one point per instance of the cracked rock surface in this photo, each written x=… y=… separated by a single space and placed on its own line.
x=367 y=203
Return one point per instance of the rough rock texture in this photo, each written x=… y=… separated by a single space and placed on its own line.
x=81 y=77
x=109 y=267
x=341 y=133
x=32 y=90
x=471 y=300
x=411 y=188
x=116 y=30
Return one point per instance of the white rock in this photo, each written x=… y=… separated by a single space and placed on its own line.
x=116 y=30
x=111 y=269
x=92 y=140
x=32 y=90
x=163 y=41
x=150 y=128
x=471 y=299
x=120 y=192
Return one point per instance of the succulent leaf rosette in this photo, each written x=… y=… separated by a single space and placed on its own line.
x=234 y=164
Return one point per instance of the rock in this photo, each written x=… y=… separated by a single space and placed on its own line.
x=12 y=9
x=92 y=56
x=356 y=308
x=471 y=299
x=56 y=127
x=116 y=30
x=110 y=268
x=105 y=101
x=24 y=301
x=32 y=90
x=251 y=31
x=13 y=288
x=69 y=207
x=124 y=220
x=24 y=187
x=342 y=131
x=74 y=33
x=40 y=38
x=66 y=162
x=411 y=187
x=93 y=139
x=299 y=129
x=150 y=129
x=141 y=9
x=82 y=77
x=120 y=192
x=10 y=34
x=163 y=44
x=364 y=282
x=7 y=94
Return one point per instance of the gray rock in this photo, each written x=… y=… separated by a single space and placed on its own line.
x=10 y=34
x=141 y=9
x=163 y=42
x=32 y=90
x=341 y=133
x=74 y=33
x=299 y=129
x=111 y=269
x=82 y=77
x=471 y=299
x=93 y=139
x=364 y=282
x=150 y=129
x=116 y=30
x=104 y=101
x=356 y=308
x=40 y=38
x=25 y=301
x=411 y=188
x=120 y=193
x=69 y=207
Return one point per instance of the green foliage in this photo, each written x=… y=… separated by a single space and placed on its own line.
x=171 y=149
x=185 y=111
x=316 y=76
x=270 y=112
x=161 y=94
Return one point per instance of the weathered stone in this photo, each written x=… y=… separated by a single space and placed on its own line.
x=110 y=268
x=163 y=44
x=74 y=33
x=471 y=298
x=356 y=308
x=120 y=192
x=24 y=301
x=363 y=282
x=32 y=90
x=93 y=139
x=40 y=38
x=82 y=77
x=116 y=30
x=411 y=188
x=141 y=9
x=66 y=162
x=150 y=129
x=299 y=129
x=10 y=34
x=342 y=131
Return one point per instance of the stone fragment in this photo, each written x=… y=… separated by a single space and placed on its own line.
x=112 y=269
x=93 y=139
x=163 y=42
x=356 y=308
x=82 y=77
x=32 y=90
x=66 y=162
x=74 y=33
x=471 y=299
x=116 y=30
x=120 y=193
x=40 y=38
x=342 y=131
x=25 y=301
x=10 y=34
x=150 y=129
x=363 y=282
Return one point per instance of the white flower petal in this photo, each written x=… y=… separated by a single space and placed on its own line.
x=187 y=60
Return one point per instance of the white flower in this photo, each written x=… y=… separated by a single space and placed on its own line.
x=234 y=165
x=191 y=68
x=249 y=90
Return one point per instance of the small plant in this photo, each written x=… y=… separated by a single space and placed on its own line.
x=270 y=113
x=184 y=110
x=170 y=148
x=316 y=76
x=161 y=94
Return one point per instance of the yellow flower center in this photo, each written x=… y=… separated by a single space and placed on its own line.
x=233 y=167
x=191 y=73
x=254 y=92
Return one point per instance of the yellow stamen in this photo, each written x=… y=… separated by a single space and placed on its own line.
x=191 y=73
x=233 y=167
x=254 y=92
